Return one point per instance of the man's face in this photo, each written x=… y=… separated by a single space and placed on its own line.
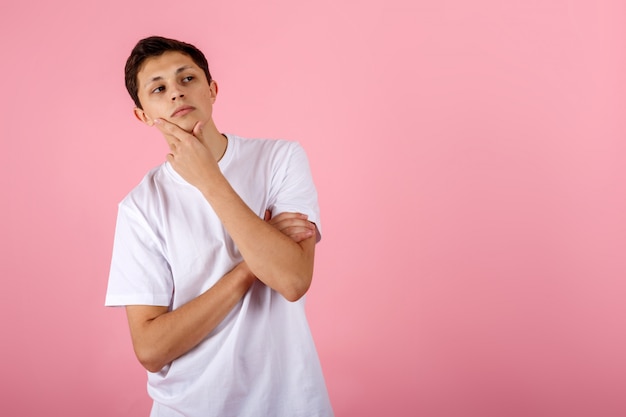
x=172 y=87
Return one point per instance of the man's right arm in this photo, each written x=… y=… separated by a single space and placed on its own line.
x=159 y=336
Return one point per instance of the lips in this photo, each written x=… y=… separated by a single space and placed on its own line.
x=182 y=110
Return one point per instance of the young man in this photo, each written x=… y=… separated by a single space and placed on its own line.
x=214 y=253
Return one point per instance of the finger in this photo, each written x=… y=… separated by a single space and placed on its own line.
x=197 y=129
x=290 y=219
x=171 y=142
x=294 y=226
x=288 y=216
x=267 y=216
x=295 y=230
x=299 y=237
x=172 y=133
x=172 y=130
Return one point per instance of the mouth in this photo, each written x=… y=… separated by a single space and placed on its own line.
x=182 y=110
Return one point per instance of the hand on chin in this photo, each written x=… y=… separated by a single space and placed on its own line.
x=184 y=123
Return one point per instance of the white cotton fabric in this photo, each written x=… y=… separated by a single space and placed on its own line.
x=170 y=247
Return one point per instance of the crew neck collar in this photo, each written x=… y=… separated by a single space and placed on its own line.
x=222 y=163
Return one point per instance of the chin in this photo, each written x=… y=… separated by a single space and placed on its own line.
x=185 y=124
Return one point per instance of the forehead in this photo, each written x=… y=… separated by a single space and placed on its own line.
x=163 y=66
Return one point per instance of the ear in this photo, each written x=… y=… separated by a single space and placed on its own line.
x=214 y=88
x=142 y=116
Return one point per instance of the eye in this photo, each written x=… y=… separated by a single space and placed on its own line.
x=158 y=89
x=188 y=78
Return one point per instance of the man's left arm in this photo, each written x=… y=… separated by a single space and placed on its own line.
x=273 y=257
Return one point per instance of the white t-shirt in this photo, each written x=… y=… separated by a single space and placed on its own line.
x=170 y=247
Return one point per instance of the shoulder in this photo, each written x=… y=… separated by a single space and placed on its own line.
x=262 y=147
x=148 y=189
x=260 y=143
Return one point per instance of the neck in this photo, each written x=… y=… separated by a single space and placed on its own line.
x=214 y=140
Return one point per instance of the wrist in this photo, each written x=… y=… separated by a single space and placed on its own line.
x=244 y=273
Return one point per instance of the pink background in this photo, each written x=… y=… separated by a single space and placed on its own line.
x=470 y=159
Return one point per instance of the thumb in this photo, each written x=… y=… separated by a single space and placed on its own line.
x=268 y=215
x=197 y=129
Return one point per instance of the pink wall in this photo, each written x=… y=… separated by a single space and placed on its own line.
x=471 y=163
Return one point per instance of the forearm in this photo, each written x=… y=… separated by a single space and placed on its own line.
x=275 y=259
x=161 y=339
x=279 y=262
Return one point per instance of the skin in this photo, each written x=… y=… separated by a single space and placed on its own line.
x=178 y=100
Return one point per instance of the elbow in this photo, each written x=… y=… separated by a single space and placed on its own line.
x=152 y=367
x=297 y=288
x=293 y=296
x=149 y=360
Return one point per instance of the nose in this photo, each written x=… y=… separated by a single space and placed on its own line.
x=176 y=94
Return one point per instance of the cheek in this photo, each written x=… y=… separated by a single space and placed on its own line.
x=153 y=111
x=207 y=97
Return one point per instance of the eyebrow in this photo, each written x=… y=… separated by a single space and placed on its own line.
x=178 y=71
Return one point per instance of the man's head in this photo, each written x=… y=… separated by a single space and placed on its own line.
x=155 y=46
x=170 y=80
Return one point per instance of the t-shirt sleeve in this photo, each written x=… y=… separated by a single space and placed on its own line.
x=295 y=190
x=140 y=273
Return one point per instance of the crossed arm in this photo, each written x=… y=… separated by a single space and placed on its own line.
x=278 y=251
x=159 y=336
x=274 y=258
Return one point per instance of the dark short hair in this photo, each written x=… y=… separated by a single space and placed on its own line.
x=156 y=46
